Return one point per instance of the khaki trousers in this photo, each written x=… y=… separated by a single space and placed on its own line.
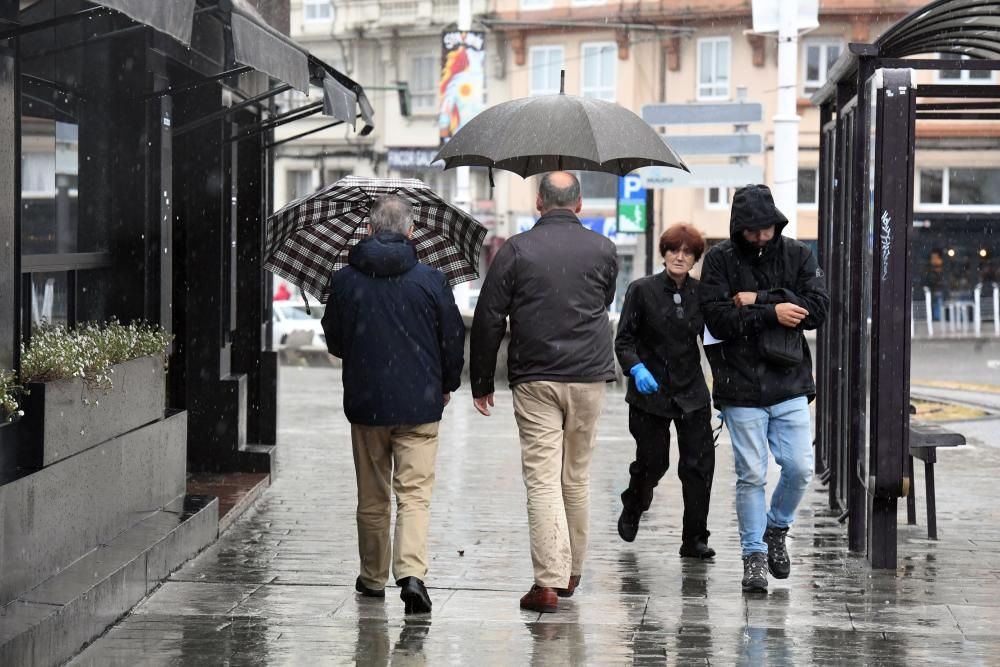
x=403 y=457
x=557 y=423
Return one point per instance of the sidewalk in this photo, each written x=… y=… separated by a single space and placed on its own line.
x=277 y=588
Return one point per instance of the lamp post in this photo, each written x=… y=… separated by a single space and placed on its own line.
x=463 y=198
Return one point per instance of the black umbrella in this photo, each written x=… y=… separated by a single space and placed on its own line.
x=533 y=135
x=310 y=238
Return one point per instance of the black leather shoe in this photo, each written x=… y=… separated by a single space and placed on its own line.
x=414 y=595
x=628 y=524
x=368 y=592
x=697 y=549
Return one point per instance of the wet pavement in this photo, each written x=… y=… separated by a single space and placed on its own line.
x=277 y=588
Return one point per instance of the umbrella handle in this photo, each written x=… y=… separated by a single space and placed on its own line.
x=305 y=301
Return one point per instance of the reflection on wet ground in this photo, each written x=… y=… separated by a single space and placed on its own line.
x=277 y=588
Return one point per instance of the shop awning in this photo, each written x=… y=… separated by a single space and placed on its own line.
x=257 y=44
x=174 y=18
x=343 y=98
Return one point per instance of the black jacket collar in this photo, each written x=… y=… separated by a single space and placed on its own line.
x=559 y=215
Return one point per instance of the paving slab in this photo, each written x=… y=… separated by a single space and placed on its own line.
x=277 y=588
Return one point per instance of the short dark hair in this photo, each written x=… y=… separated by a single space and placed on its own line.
x=682 y=234
x=556 y=197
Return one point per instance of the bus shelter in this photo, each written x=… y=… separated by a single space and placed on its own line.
x=870 y=107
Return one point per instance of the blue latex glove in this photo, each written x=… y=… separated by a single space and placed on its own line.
x=644 y=380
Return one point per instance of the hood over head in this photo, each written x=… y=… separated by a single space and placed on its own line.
x=384 y=254
x=753 y=208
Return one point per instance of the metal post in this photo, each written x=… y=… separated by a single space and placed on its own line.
x=977 y=314
x=650 y=230
x=996 y=310
x=928 y=303
x=786 y=120
x=463 y=198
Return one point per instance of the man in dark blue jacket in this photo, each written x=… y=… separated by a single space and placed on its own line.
x=395 y=324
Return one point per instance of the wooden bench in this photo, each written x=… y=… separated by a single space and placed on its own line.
x=924 y=442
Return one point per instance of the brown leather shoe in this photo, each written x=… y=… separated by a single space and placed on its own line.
x=541 y=599
x=567 y=592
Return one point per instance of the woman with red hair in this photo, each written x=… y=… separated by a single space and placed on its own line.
x=657 y=344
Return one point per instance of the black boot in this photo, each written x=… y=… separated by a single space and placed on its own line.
x=755 y=572
x=628 y=524
x=777 y=555
x=697 y=549
x=414 y=595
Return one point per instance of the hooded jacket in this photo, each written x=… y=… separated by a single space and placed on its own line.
x=555 y=282
x=395 y=324
x=785 y=270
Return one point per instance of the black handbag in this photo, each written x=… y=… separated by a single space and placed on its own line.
x=781 y=345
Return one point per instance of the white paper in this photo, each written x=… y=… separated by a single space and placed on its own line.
x=707 y=338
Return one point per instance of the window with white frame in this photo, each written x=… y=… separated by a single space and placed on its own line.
x=299 y=183
x=598 y=189
x=536 y=4
x=713 y=68
x=962 y=75
x=808 y=187
x=423 y=83
x=959 y=187
x=818 y=56
x=599 y=63
x=717 y=198
x=316 y=10
x=545 y=64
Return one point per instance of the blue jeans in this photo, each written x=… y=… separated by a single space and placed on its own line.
x=786 y=429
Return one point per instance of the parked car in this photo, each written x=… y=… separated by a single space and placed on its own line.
x=294 y=327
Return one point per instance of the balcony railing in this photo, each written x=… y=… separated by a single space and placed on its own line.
x=391 y=13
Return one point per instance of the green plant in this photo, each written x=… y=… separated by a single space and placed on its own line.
x=9 y=393
x=88 y=352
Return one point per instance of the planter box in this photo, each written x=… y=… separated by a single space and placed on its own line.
x=9 y=445
x=66 y=417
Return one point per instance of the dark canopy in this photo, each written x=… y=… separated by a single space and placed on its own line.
x=964 y=27
x=174 y=18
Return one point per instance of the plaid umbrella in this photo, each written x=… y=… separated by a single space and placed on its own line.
x=310 y=238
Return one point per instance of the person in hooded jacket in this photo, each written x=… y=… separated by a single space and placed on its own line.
x=395 y=324
x=760 y=290
x=657 y=345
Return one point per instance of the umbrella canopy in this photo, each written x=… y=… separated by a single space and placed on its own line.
x=309 y=238
x=533 y=135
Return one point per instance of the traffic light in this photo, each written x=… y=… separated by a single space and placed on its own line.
x=403 y=90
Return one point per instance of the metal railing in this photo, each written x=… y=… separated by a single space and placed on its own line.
x=957 y=315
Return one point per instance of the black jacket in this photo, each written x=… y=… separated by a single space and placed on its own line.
x=785 y=271
x=555 y=282
x=395 y=324
x=650 y=331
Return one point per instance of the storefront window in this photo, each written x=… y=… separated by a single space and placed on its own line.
x=960 y=187
x=49 y=184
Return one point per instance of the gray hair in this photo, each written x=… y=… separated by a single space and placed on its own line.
x=553 y=196
x=391 y=213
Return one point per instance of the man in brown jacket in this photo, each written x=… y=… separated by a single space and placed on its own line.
x=555 y=283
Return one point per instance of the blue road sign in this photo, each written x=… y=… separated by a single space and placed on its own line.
x=631 y=205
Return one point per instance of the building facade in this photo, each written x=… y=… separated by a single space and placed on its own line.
x=635 y=54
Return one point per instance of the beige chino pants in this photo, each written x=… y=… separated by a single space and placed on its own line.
x=400 y=457
x=557 y=423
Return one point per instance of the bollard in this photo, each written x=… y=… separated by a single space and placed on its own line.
x=977 y=313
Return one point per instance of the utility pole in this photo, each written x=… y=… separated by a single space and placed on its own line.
x=786 y=120
x=463 y=198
